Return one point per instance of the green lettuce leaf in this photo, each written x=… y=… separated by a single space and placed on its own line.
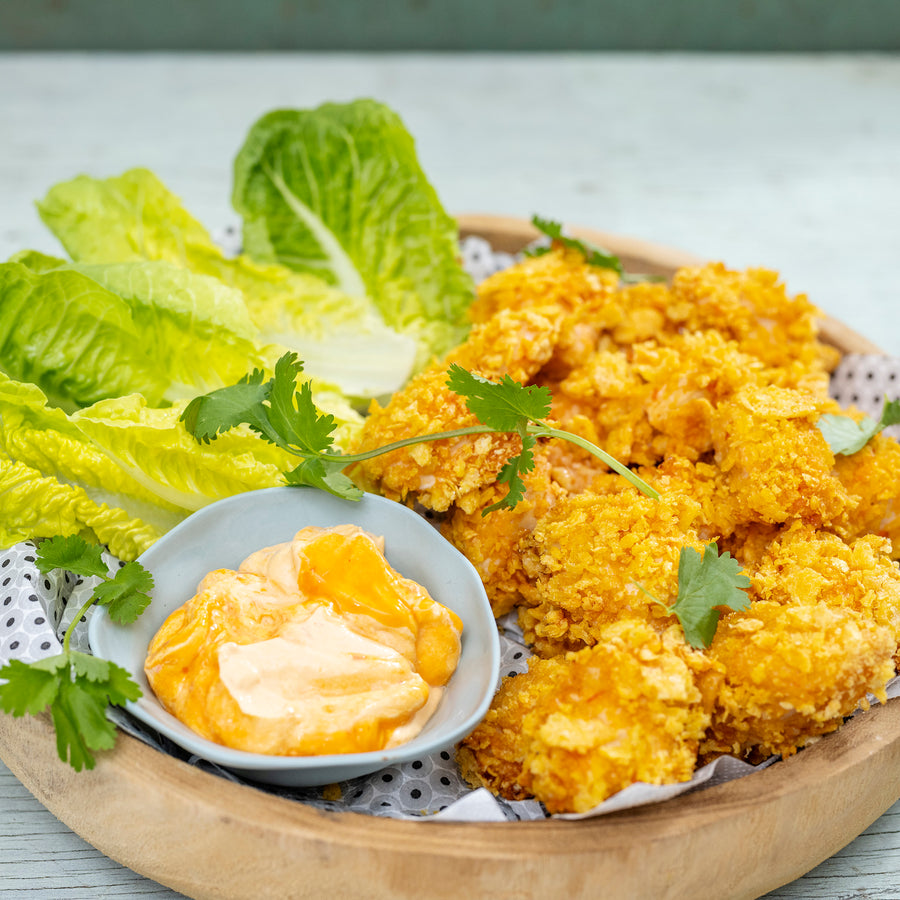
x=134 y=217
x=44 y=438
x=118 y=472
x=72 y=337
x=36 y=506
x=153 y=448
x=338 y=192
x=86 y=332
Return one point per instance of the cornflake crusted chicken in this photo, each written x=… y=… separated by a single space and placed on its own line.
x=576 y=728
x=711 y=388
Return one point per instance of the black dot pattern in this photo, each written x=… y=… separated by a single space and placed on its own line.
x=31 y=605
x=864 y=381
x=479 y=260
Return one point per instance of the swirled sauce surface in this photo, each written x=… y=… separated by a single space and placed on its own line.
x=313 y=646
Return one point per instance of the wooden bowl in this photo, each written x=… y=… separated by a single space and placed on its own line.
x=210 y=838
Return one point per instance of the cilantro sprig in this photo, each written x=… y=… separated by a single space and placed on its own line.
x=77 y=687
x=288 y=418
x=593 y=255
x=845 y=436
x=706 y=581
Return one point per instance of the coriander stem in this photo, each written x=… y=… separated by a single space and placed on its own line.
x=68 y=635
x=542 y=430
x=538 y=430
x=348 y=458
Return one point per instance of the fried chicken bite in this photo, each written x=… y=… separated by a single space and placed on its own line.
x=589 y=558
x=808 y=567
x=491 y=543
x=871 y=475
x=563 y=280
x=575 y=729
x=748 y=543
x=700 y=482
x=753 y=308
x=688 y=378
x=441 y=473
x=656 y=399
x=792 y=673
x=774 y=460
x=604 y=401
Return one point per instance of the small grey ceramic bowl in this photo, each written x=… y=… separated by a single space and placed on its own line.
x=222 y=534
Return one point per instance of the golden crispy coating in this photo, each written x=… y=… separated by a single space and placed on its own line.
x=583 y=294
x=871 y=475
x=491 y=543
x=604 y=401
x=712 y=388
x=701 y=482
x=754 y=309
x=805 y=566
x=688 y=378
x=774 y=459
x=493 y=755
x=656 y=400
x=514 y=342
x=575 y=729
x=792 y=673
x=589 y=555
x=441 y=473
x=748 y=543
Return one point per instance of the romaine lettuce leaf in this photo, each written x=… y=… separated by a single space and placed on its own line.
x=117 y=471
x=37 y=506
x=338 y=192
x=85 y=332
x=153 y=447
x=72 y=337
x=134 y=217
x=46 y=439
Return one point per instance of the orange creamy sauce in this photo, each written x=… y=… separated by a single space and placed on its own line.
x=314 y=646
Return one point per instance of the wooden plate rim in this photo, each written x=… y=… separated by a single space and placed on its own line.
x=208 y=837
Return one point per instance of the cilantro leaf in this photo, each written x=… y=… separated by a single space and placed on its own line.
x=72 y=553
x=845 y=436
x=593 y=256
x=79 y=709
x=126 y=594
x=274 y=409
x=511 y=473
x=301 y=425
x=502 y=405
x=77 y=687
x=288 y=418
x=112 y=679
x=321 y=473
x=31 y=687
x=79 y=718
x=706 y=581
x=225 y=408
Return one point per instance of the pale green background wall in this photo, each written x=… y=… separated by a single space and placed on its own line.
x=717 y=25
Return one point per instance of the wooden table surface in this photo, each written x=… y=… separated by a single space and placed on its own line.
x=792 y=163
